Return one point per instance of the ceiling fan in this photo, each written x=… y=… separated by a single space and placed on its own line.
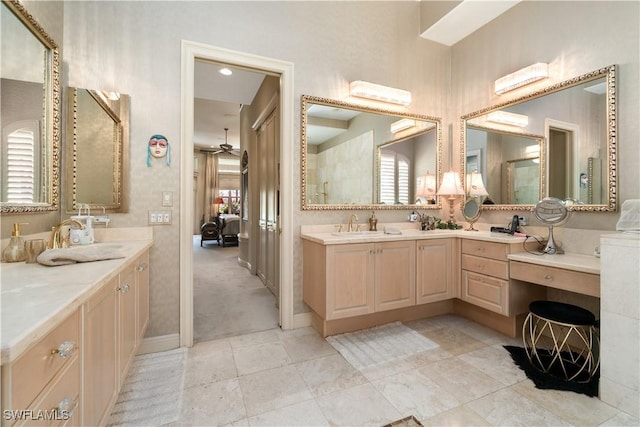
x=226 y=147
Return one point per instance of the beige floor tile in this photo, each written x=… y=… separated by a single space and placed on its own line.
x=273 y=389
x=358 y=406
x=216 y=403
x=462 y=380
x=453 y=340
x=496 y=362
x=459 y=416
x=213 y=366
x=576 y=408
x=329 y=374
x=621 y=419
x=414 y=394
x=506 y=407
x=261 y=357
x=306 y=413
x=255 y=338
x=204 y=348
x=306 y=347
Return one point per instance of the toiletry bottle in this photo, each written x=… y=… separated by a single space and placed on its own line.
x=15 y=251
x=373 y=222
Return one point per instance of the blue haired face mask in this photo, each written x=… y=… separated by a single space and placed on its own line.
x=158 y=147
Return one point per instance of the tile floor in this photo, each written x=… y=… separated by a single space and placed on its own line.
x=295 y=378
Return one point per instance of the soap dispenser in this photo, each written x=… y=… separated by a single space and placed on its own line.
x=15 y=251
x=373 y=222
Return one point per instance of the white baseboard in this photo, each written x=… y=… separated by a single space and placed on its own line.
x=159 y=343
x=301 y=320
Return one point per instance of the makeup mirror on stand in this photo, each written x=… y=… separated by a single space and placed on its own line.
x=551 y=211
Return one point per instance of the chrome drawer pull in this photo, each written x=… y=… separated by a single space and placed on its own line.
x=66 y=349
x=480 y=266
x=142 y=267
x=66 y=407
x=548 y=277
x=123 y=288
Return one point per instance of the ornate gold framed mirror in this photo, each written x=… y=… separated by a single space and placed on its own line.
x=29 y=114
x=574 y=123
x=97 y=148
x=357 y=157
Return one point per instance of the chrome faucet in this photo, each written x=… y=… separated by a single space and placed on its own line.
x=350 y=225
x=57 y=241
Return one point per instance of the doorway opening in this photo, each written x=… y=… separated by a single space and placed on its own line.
x=562 y=159
x=191 y=54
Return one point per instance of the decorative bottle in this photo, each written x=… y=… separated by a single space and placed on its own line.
x=15 y=252
x=373 y=222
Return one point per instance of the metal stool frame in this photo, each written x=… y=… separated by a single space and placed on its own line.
x=533 y=330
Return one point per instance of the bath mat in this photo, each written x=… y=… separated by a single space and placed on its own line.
x=409 y=421
x=374 y=346
x=545 y=381
x=152 y=390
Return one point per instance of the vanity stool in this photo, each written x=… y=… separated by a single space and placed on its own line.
x=562 y=340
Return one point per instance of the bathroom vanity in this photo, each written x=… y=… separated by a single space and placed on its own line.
x=358 y=280
x=70 y=332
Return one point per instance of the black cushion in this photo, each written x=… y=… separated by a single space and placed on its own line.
x=562 y=312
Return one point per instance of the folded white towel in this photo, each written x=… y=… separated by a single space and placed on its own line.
x=64 y=256
x=630 y=216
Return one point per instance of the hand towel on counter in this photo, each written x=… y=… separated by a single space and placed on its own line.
x=64 y=256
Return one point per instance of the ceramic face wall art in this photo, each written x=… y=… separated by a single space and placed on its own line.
x=158 y=148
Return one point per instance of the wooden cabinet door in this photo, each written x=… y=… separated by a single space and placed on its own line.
x=142 y=297
x=100 y=377
x=434 y=271
x=395 y=277
x=350 y=280
x=484 y=291
x=127 y=332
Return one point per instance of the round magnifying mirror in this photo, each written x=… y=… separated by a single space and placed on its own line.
x=471 y=212
x=551 y=211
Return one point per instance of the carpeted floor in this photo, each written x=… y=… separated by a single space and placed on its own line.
x=228 y=299
x=382 y=344
x=152 y=390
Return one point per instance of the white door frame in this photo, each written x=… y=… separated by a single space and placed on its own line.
x=190 y=52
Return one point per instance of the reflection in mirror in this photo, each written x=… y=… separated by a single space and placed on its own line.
x=577 y=119
x=96 y=148
x=29 y=113
x=355 y=157
x=509 y=163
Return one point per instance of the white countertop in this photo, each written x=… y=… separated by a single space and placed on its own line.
x=575 y=262
x=34 y=298
x=335 y=238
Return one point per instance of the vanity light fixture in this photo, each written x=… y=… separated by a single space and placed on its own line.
x=451 y=187
x=507 y=118
x=362 y=89
x=522 y=77
x=402 y=124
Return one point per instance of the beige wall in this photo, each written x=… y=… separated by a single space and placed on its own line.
x=134 y=48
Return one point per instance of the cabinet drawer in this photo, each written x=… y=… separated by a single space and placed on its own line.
x=559 y=278
x=492 y=250
x=33 y=370
x=64 y=391
x=486 y=266
x=486 y=292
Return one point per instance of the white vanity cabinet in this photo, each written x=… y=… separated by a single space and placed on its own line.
x=349 y=280
x=436 y=268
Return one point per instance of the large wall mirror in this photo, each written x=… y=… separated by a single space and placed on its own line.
x=29 y=113
x=559 y=142
x=355 y=157
x=97 y=148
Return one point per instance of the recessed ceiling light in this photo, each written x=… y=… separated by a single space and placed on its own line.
x=225 y=71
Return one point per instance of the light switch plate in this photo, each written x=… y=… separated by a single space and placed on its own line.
x=167 y=198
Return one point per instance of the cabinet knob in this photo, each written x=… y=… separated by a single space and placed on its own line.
x=480 y=249
x=66 y=349
x=142 y=266
x=66 y=407
x=548 y=277
x=123 y=288
x=480 y=266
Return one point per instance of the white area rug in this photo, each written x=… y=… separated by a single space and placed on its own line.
x=381 y=344
x=152 y=391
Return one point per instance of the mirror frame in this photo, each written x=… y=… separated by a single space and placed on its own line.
x=609 y=73
x=51 y=107
x=307 y=99
x=119 y=141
